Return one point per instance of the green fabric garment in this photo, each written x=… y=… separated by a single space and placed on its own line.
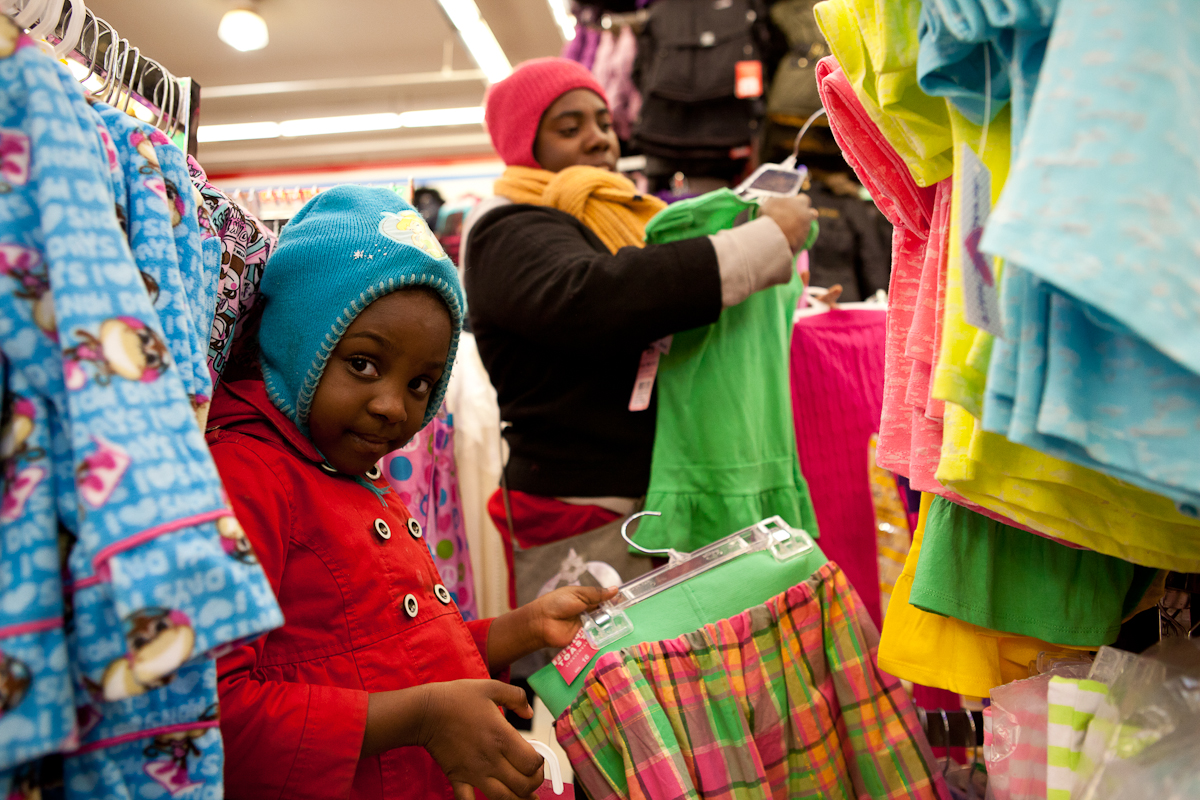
x=999 y=577
x=725 y=444
x=721 y=592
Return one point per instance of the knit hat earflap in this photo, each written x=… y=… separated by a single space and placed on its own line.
x=346 y=248
x=514 y=107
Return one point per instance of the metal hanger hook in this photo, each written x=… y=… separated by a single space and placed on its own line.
x=946 y=726
x=804 y=129
x=974 y=753
x=633 y=544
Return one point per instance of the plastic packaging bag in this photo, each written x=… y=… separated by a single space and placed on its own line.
x=1015 y=738
x=1149 y=729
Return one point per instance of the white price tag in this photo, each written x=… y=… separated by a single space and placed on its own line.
x=981 y=291
x=643 y=385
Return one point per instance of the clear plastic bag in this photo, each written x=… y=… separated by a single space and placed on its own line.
x=1015 y=745
x=1145 y=742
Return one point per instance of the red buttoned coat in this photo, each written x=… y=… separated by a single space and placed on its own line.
x=364 y=612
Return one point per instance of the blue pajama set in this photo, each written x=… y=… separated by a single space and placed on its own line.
x=123 y=572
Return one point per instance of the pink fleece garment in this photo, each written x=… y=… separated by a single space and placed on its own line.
x=910 y=427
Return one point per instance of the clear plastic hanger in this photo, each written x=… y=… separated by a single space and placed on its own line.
x=780 y=180
x=610 y=622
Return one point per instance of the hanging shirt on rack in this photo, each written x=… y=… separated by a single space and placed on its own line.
x=199 y=274
x=944 y=652
x=245 y=246
x=1045 y=494
x=979 y=570
x=1129 y=398
x=150 y=213
x=879 y=56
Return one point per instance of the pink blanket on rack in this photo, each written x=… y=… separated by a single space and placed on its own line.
x=909 y=441
x=876 y=162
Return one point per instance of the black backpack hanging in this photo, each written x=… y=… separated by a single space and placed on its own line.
x=686 y=70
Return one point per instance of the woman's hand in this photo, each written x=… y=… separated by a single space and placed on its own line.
x=793 y=215
x=552 y=620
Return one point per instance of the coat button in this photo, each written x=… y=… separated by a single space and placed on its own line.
x=442 y=593
x=410 y=605
x=374 y=473
x=414 y=527
x=382 y=529
x=325 y=465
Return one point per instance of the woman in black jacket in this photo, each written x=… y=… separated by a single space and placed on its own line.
x=563 y=314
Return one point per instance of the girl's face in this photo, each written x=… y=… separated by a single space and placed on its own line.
x=577 y=130
x=376 y=385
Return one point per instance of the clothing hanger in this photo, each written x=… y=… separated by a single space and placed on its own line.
x=553 y=769
x=132 y=82
x=960 y=728
x=712 y=583
x=73 y=30
x=611 y=622
x=29 y=13
x=48 y=16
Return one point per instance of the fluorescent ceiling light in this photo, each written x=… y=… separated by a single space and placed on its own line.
x=238 y=131
x=478 y=38
x=442 y=116
x=356 y=123
x=564 y=17
x=351 y=124
x=243 y=30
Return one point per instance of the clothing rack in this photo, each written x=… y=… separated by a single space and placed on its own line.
x=111 y=68
x=594 y=16
x=632 y=19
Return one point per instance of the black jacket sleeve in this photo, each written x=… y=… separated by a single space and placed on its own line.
x=540 y=274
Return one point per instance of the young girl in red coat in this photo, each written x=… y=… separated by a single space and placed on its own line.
x=375 y=686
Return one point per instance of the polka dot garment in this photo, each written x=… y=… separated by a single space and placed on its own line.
x=422 y=473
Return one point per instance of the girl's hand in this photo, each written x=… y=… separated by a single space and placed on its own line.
x=554 y=617
x=550 y=621
x=460 y=725
x=467 y=735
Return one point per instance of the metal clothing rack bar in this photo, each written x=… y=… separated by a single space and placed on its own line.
x=634 y=19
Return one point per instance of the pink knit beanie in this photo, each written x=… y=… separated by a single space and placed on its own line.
x=515 y=105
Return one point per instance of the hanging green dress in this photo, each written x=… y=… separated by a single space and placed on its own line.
x=725 y=445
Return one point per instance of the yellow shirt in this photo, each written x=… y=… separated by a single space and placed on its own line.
x=875 y=42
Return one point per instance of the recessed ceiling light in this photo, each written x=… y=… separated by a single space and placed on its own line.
x=243 y=29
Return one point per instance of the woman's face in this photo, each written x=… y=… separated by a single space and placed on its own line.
x=577 y=131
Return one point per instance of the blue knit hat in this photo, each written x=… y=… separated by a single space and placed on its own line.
x=346 y=248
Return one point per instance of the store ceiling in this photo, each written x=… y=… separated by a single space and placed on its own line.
x=406 y=54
